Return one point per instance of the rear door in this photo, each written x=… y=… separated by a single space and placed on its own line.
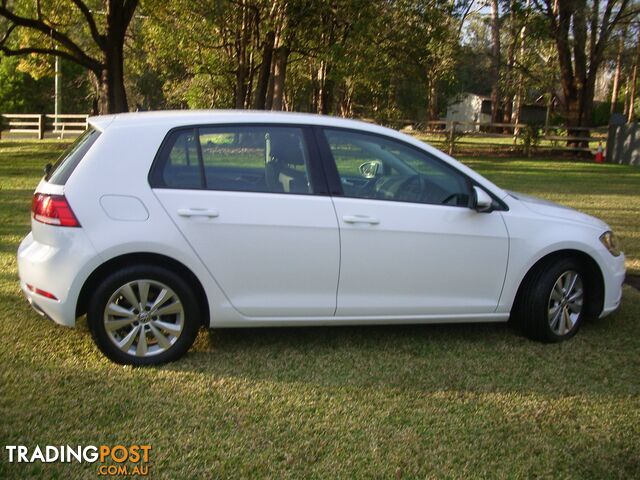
x=251 y=201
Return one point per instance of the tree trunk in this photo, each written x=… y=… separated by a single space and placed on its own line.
x=327 y=97
x=269 y=97
x=240 y=90
x=511 y=61
x=516 y=108
x=242 y=68
x=578 y=112
x=432 y=101
x=315 y=74
x=265 y=72
x=113 y=96
x=346 y=99
x=632 y=88
x=615 y=93
x=326 y=94
x=319 y=93
x=279 y=75
x=495 y=61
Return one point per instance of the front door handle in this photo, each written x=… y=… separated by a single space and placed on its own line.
x=360 y=219
x=197 y=212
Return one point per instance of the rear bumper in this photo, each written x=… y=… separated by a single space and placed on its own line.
x=59 y=270
x=36 y=301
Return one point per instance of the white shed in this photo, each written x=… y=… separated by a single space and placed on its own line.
x=469 y=107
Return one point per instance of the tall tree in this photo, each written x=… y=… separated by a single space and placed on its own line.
x=633 y=83
x=581 y=30
x=90 y=35
x=615 y=92
x=495 y=61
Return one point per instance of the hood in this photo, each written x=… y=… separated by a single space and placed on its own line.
x=555 y=210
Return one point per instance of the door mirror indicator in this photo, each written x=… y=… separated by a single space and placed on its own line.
x=482 y=201
x=370 y=169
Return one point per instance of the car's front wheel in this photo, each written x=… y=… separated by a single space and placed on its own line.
x=143 y=315
x=553 y=300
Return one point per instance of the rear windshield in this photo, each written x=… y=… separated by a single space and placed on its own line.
x=69 y=160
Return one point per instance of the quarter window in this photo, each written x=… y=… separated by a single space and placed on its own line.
x=69 y=160
x=374 y=167
x=251 y=159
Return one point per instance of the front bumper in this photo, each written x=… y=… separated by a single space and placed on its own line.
x=613 y=279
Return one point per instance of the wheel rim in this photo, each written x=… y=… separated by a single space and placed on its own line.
x=144 y=318
x=565 y=302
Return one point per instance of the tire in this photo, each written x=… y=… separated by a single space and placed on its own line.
x=544 y=311
x=143 y=315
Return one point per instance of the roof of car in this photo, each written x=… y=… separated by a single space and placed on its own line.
x=176 y=118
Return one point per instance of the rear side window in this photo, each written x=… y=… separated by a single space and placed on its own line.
x=69 y=160
x=272 y=159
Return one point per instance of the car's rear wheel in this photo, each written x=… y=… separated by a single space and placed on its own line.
x=552 y=302
x=143 y=315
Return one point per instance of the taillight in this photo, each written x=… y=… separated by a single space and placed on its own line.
x=53 y=210
x=41 y=292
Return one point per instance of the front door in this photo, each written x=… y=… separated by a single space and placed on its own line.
x=410 y=243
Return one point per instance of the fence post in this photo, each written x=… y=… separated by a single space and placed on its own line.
x=1 y=121
x=452 y=136
x=40 y=127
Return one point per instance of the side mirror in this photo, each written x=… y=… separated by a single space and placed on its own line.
x=370 y=169
x=482 y=202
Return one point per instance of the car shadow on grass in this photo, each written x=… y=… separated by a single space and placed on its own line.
x=422 y=359
x=427 y=358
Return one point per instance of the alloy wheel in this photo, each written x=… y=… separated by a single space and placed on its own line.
x=144 y=318
x=565 y=302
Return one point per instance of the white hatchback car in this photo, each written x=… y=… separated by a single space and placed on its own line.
x=154 y=224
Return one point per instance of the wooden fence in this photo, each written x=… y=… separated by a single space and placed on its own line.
x=447 y=135
x=37 y=124
x=452 y=134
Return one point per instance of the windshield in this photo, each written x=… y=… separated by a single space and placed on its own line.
x=69 y=160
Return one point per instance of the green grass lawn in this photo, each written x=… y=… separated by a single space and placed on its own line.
x=386 y=402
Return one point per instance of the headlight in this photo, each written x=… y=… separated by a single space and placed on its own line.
x=611 y=242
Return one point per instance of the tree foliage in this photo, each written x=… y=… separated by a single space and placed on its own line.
x=389 y=60
x=90 y=34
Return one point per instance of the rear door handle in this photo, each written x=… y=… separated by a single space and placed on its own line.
x=360 y=219
x=197 y=212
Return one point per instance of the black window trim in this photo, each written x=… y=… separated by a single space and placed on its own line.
x=317 y=175
x=203 y=175
x=333 y=177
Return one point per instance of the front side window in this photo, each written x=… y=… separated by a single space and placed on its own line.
x=238 y=158
x=374 y=167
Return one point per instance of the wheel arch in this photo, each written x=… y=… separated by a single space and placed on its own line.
x=595 y=277
x=115 y=263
